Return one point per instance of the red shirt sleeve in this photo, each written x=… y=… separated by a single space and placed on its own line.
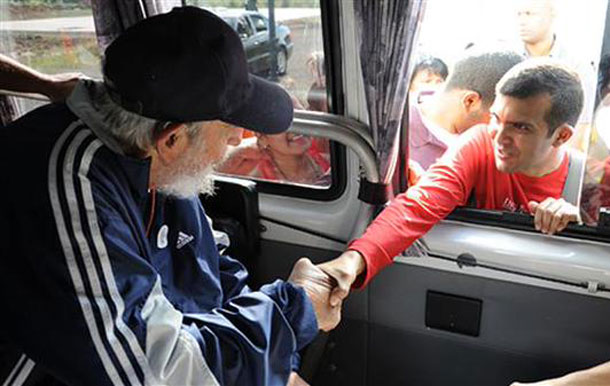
x=445 y=185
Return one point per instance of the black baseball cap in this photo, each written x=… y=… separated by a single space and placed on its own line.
x=188 y=65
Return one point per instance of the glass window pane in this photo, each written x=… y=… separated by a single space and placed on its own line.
x=50 y=36
x=260 y=24
x=285 y=158
x=296 y=62
x=596 y=184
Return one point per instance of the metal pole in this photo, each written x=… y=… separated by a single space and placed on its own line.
x=272 y=41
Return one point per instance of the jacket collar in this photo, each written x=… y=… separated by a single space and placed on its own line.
x=136 y=170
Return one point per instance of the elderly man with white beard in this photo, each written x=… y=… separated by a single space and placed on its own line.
x=109 y=273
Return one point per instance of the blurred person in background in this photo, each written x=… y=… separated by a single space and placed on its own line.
x=316 y=96
x=536 y=21
x=283 y=157
x=596 y=185
x=15 y=77
x=462 y=102
x=429 y=73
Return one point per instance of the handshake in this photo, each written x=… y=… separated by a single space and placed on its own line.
x=328 y=284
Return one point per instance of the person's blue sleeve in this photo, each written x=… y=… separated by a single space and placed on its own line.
x=295 y=362
x=94 y=313
x=233 y=276
x=273 y=344
x=249 y=340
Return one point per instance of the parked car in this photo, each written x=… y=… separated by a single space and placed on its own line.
x=253 y=29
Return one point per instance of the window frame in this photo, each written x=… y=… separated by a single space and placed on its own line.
x=331 y=42
x=525 y=222
x=516 y=220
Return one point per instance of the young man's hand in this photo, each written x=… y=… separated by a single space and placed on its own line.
x=317 y=284
x=553 y=214
x=344 y=269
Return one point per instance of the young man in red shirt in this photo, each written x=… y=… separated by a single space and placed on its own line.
x=517 y=163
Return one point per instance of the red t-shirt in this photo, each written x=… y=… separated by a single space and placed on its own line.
x=468 y=166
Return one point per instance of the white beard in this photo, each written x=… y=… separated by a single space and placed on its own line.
x=191 y=184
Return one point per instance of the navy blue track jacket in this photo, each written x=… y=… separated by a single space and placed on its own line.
x=88 y=299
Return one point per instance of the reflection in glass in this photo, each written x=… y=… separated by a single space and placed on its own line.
x=51 y=37
x=596 y=185
x=298 y=39
x=286 y=157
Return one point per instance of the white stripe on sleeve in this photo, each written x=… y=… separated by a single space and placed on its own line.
x=70 y=259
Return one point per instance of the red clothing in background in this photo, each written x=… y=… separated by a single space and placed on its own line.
x=448 y=183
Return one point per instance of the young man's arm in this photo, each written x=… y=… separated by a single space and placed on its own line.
x=594 y=376
x=447 y=184
x=14 y=76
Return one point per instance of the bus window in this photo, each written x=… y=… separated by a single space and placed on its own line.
x=451 y=32
x=51 y=37
x=297 y=63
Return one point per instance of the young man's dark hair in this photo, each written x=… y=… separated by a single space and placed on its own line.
x=481 y=73
x=560 y=83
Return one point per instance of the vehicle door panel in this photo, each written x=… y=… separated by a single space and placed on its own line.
x=531 y=328
x=526 y=332
x=292 y=227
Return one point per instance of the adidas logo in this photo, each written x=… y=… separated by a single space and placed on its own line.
x=183 y=239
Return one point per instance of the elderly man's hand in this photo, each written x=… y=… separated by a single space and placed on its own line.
x=344 y=269
x=317 y=285
x=553 y=215
x=296 y=380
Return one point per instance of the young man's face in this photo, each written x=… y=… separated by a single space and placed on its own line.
x=520 y=134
